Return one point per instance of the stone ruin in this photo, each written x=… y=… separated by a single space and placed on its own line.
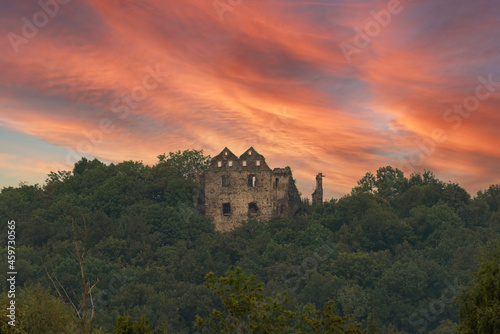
x=237 y=188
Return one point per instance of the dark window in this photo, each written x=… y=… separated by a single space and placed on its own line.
x=253 y=209
x=225 y=180
x=226 y=209
x=282 y=209
x=252 y=180
x=276 y=182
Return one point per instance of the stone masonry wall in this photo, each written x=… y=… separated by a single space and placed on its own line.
x=238 y=188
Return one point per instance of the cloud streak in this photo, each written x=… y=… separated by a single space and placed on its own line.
x=269 y=75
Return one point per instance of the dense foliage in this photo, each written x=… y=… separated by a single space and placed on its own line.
x=394 y=253
x=246 y=309
x=480 y=301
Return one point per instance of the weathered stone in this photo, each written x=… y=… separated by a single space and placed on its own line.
x=235 y=189
x=317 y=195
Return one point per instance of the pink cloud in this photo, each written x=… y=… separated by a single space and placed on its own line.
x=269 y=75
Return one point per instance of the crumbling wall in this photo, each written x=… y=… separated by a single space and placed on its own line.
x=236 y=188
x=248 y=193
x=286 y=195
x=317 y=196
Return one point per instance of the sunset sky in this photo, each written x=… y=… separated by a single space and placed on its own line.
x=338 y=87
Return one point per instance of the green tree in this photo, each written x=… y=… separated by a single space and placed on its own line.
x=246 y=309
x=445 y=327
x=36 y=311
x=388 y=183
x=85 y=316
x=188 y=162
x=491 y=196
x=366 y=184
x=59 y=176
x=84 y=164
x=480 y=302
x=124 y=325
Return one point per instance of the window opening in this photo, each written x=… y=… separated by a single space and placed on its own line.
x=252 y=181
x=253 y=209
x=226 y=209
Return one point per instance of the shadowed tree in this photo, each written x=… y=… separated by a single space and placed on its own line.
x=37 y=311
x=188 y=162
x=387 y=183
x=246 y=310
x=124 y=325
x=84 y=317
x=480 y=301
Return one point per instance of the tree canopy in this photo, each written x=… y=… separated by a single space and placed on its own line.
x=480 y=301
x=391 y=255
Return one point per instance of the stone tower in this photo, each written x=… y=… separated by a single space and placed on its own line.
x=317 y=195
x=237 y=188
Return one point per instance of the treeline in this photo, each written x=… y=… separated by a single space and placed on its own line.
x=393 y=254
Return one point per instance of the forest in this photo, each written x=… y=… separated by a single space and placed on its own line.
x=399 y=254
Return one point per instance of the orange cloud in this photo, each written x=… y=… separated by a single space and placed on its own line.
x=267 y=74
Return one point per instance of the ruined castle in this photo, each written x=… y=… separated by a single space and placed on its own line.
x=236 y=188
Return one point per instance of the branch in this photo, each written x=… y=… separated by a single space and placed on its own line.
x=69 y=299
x=59 y=293
x=74 y=238
x=72 y=255
x=92 y=317
x=84 y=238
x=80 y=255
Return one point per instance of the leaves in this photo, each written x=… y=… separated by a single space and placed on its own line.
x=247 y=310
x=480 y=301
x=383 y=252
x=189 y=162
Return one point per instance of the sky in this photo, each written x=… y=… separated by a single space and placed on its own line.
x=338 y=87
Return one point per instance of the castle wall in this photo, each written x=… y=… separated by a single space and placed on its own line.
x=238 y=188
